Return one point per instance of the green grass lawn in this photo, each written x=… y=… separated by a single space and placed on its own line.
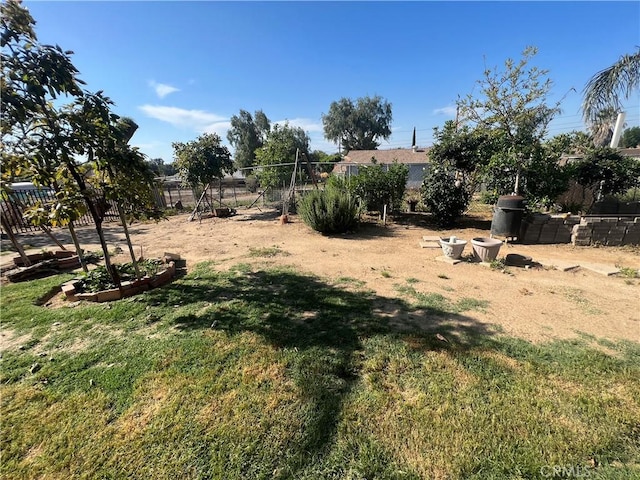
x=269 y=373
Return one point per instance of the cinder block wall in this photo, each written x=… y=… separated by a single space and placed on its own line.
x=581 y=231
x=543 y=228
x=622 y=230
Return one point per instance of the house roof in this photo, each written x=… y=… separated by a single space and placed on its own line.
x=625 y=152
x=402 y=155
x=630 y=152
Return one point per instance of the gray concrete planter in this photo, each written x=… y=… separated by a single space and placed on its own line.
x=452 y=247
x=485 y=249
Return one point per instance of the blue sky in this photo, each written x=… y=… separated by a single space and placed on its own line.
x=182 y=68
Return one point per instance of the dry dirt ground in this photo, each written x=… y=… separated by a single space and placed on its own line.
x=536 y=304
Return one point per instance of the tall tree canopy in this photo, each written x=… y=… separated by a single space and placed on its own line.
x=246 y=135
x=609 y=87
x=79 y=149
x=360 y=125
x=282 y=143
x=202 y=160
x=512 y=105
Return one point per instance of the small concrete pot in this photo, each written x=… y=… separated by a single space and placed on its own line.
x=485 y=249
x=452 y=247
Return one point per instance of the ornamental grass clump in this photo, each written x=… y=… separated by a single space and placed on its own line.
x=328 y=211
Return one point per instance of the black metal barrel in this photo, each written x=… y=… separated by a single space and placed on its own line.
x=507 y=216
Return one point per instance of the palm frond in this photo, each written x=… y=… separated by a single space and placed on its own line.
x=607 y=88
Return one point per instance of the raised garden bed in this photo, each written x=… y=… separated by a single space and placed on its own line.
x=74 y=290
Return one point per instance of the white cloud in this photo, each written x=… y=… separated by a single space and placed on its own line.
x=196 y=119
x=320 y=143
x=162 y=89
x=147 y=146
x=220 y=128
x=449 y=111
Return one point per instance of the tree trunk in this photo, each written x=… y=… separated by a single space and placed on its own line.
x=76 y=243
x=14 y=241
x=50 y=234
x=123 y=220
x=97 y=219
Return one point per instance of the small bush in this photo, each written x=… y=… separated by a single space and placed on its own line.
x=328 y=211
x=444 y=197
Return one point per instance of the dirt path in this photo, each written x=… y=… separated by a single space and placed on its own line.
x=536 y=304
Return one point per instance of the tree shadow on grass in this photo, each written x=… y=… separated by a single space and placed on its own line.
x=325 y=324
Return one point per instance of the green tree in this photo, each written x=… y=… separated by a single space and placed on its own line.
x=457 y=159
x=59 y=145
x=359 y=125
x=161 y=169
x=202 y=160
x=512 y=105
x=324 y=161
x=603 y=171
x=444 y=195
x=246 y=135
x=610 y=86
x=467 y=150
x=630 y=138
x=280 y=148
x=377 y=186
x=546 y=178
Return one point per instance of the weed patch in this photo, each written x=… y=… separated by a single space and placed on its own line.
x=267 y=252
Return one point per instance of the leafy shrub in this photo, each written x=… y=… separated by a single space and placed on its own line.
x=377 y=188
x=337 y=182
x=603 y=170
x=96 y=280
x=489 y=197
x=328 y=211
x=444 y=197
x=99 y=279
x=631 y=195
x=545 y=179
